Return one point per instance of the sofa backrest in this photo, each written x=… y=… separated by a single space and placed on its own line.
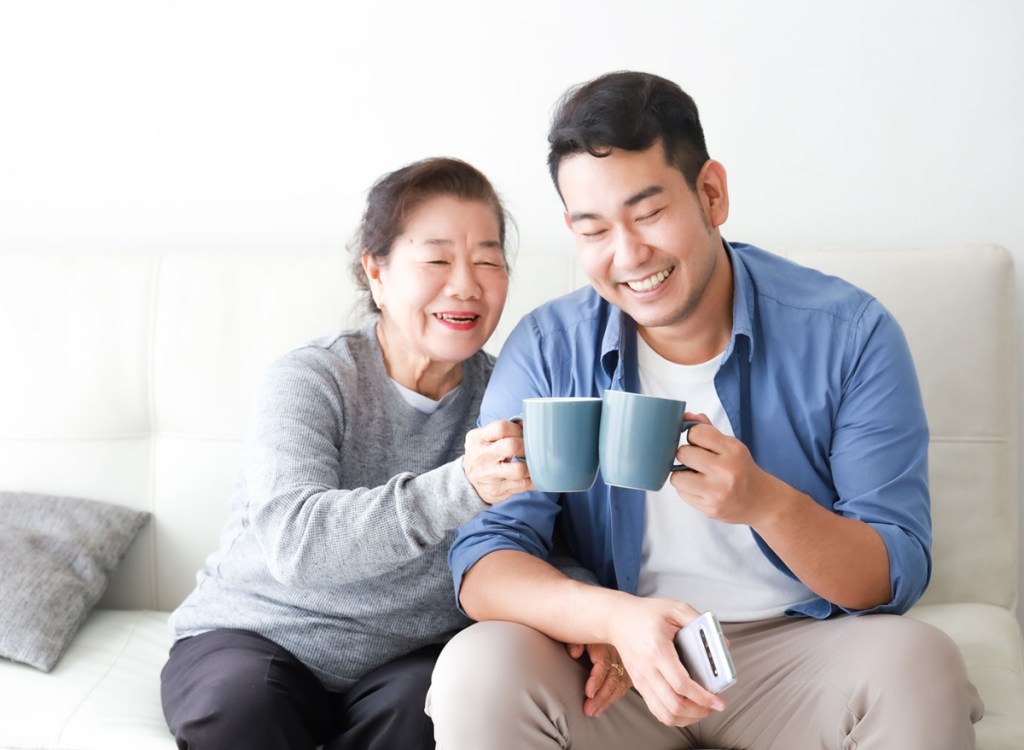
x=956 y=306
x=129 y=376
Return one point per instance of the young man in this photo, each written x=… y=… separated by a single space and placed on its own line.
x=805 y=521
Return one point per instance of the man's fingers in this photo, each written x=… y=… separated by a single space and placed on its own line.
x=701 y=697
x=690 y=690
x=673 y=709
x=704 y=436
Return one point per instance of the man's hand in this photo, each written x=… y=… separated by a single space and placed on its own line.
x=644 y=633
x=608 y=680
x=725 y=483
x=488 y=461
x=842 y=560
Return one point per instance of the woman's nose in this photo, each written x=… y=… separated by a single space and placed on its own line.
x=463 y=282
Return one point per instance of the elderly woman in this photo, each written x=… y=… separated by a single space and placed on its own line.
x=319 y=619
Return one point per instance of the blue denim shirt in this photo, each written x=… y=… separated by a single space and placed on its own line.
x=818 y=377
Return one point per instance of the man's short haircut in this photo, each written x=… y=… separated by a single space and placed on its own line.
x=629 y=111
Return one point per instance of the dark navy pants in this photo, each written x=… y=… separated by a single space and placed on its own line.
x=231 y=689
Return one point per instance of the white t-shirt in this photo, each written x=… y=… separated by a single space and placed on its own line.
x=422 y=403
x=687 y=556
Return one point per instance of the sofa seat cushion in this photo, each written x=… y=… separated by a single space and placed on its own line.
x=990 y=639
x=103 y=693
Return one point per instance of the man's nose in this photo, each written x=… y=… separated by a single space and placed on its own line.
x=631 y=249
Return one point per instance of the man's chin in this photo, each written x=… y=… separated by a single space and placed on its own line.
x=646 y=317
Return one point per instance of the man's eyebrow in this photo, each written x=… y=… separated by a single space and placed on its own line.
x=644 y=194
x=632 y=200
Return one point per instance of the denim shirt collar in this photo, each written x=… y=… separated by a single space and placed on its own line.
x=742 y=304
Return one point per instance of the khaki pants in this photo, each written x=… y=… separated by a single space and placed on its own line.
x=876 y=681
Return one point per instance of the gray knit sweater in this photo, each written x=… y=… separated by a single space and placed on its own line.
x=345 y=506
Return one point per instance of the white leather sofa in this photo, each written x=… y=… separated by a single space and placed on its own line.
x=127 y=377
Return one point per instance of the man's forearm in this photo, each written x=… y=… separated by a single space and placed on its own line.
x=517 y=587
x=840 y=559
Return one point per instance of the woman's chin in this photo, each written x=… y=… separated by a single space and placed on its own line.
x=461 y=345
x=463 y=351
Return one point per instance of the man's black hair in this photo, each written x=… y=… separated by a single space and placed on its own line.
x=629 y=111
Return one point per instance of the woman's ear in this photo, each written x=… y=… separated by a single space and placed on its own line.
x=713 y=191
x=372 y=270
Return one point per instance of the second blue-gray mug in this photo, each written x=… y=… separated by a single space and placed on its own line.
x=639 y=439
x=560 y=436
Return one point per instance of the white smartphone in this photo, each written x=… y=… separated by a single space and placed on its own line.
x=705 y=655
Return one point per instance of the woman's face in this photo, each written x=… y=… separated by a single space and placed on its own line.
x=442 y=288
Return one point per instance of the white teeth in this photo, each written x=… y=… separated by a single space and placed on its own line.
x=455 y=318
x=651 y=282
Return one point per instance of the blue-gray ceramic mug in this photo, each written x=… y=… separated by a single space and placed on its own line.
x=560 y=436
x=639 y=439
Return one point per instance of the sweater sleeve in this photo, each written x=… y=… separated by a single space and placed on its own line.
x=313 y=531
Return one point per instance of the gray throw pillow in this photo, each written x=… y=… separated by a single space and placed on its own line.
x=56 y=557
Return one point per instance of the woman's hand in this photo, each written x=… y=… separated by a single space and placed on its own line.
x=488 y=461
x=608 y=680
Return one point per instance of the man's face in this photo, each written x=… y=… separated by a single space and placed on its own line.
x=648 y=243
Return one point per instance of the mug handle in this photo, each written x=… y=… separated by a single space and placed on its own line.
x=517 y=419
x=686 y=425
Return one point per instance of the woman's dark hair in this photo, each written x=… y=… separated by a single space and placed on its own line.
x=395 y=195
x=629 y=111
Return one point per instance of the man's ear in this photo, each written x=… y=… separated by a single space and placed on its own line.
x=567 y=220
x=713 y=191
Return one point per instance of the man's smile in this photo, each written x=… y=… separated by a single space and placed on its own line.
x=651 y=282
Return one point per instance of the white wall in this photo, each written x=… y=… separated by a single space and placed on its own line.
x=251 y=124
